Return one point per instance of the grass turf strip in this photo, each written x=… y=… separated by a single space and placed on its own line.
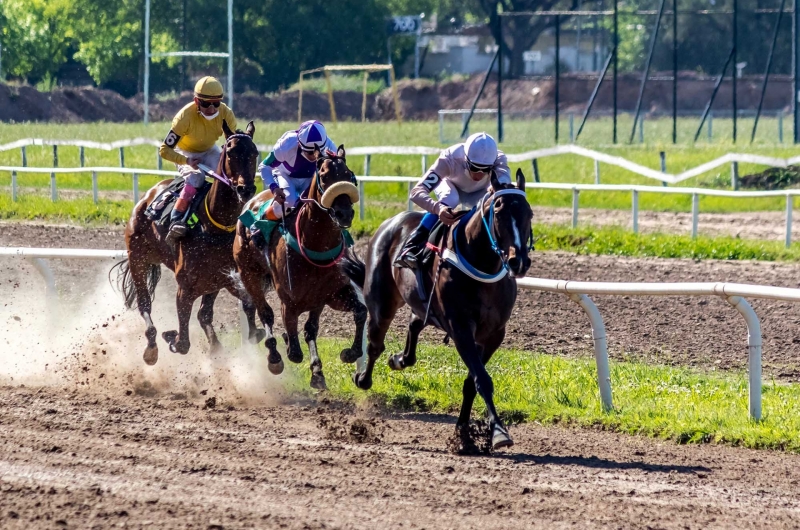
x=673 y=403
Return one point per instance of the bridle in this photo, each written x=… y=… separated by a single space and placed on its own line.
x=490 y=226
x=321 y=187
x=224 y=178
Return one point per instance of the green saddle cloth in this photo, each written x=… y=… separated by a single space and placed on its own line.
x=257 y=221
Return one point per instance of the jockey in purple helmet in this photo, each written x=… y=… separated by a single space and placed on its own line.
x=291 y=165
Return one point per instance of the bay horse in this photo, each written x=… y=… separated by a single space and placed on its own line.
x=305 y=273
x=472 y=290
x=202 y=261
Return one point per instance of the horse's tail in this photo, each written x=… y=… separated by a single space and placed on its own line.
x=124 y=281
x=355 y=269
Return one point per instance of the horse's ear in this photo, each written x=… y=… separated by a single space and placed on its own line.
x=251 y=129
x=495 y=183
x=340 y=152
x=520 y=179
x=227 y=130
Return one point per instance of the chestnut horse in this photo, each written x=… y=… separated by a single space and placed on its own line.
x=304 y=272
x=203 y=260
x=473 y=290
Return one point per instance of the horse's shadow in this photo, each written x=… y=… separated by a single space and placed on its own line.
x=544 y=459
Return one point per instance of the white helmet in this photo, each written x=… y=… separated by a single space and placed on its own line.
x=481 y=150
x=312 y=135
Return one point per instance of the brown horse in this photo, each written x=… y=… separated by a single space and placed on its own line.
x=202 y=262
x=473 y=290
x=306 y=276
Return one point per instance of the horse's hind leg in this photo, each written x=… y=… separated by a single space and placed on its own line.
x=479 y=381
x=311 y=329
x=206 y=318
x=409 y=355
x=351 y=301
x=139 y=271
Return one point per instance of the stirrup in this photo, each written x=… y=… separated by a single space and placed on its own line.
x=176 y=231
x=408 y=259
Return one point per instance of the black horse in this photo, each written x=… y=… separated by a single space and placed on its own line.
x=472 y=290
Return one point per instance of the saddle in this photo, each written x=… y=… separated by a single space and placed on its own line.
x=160 y=210
x=437 y=240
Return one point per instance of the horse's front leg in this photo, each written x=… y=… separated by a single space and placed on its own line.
x=473 y=356
x=206 y=318
x=311 y=330
x=349 y=300
x=409 y=355
x=290 y=319
x=179 y=340
x=252 y=279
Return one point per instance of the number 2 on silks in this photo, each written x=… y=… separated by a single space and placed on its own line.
x=431 y=181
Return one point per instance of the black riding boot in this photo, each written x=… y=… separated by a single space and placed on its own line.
x=412 y=250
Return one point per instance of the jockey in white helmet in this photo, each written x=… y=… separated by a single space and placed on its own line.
x=291 y=165
x=461 y=175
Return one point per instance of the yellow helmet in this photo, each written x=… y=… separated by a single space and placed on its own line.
x=208 y=88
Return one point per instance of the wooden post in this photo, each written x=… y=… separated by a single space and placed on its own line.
x=330 y=95
x=395 y=96
x=364 y=99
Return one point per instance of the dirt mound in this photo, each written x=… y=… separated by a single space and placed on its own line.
x=774 y=178
x=419 y=99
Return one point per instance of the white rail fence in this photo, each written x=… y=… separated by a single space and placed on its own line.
x=734 y=293
x=635 y=190
x=667 y=178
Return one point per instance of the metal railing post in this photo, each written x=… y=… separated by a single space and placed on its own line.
x=135 y=188
x=663 y=158
x=597 y=172
x=734 y=176
x=575 y=195
x=635 y=211
x=600 y=348
x=535 y=167
x=14 y=186
x=24 y=154
x=789 y=209
x=82 y=156
x=121 y=157
x=695 y=213
x=753 y=354
x=94 y=186
x=361 y=200
x=410 y=204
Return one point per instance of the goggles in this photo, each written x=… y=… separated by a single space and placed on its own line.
x=205 y=104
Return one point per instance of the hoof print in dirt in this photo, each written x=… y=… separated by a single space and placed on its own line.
x=345 y=428
x=473 y=439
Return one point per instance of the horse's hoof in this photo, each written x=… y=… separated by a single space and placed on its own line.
x=500 y=438
x=349 y=355
x=215 y=349
x=169 y=336
x=150 y=355
x=318 y=382
x=257 y=336
x=361 y=381
x=296 y=356
x=285 y=338
x=396 y=362
x=179 y=347
x=275 y=368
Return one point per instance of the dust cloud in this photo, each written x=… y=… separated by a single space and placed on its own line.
x=86 y=339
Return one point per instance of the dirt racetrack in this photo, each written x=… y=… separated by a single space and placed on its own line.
x=90 y=437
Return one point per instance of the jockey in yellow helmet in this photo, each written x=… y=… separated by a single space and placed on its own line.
x=192 y=140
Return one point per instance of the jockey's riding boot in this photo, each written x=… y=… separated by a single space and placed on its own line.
x=412 y=250
x=177 y=227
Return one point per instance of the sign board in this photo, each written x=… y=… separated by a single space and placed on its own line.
x=407 y=25
x=532 y=55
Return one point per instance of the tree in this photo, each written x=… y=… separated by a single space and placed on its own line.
x=36 y=36
x=522 y=32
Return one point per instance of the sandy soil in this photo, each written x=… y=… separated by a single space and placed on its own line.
x=138 y=462
x=92 y=438
x=769 y=226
